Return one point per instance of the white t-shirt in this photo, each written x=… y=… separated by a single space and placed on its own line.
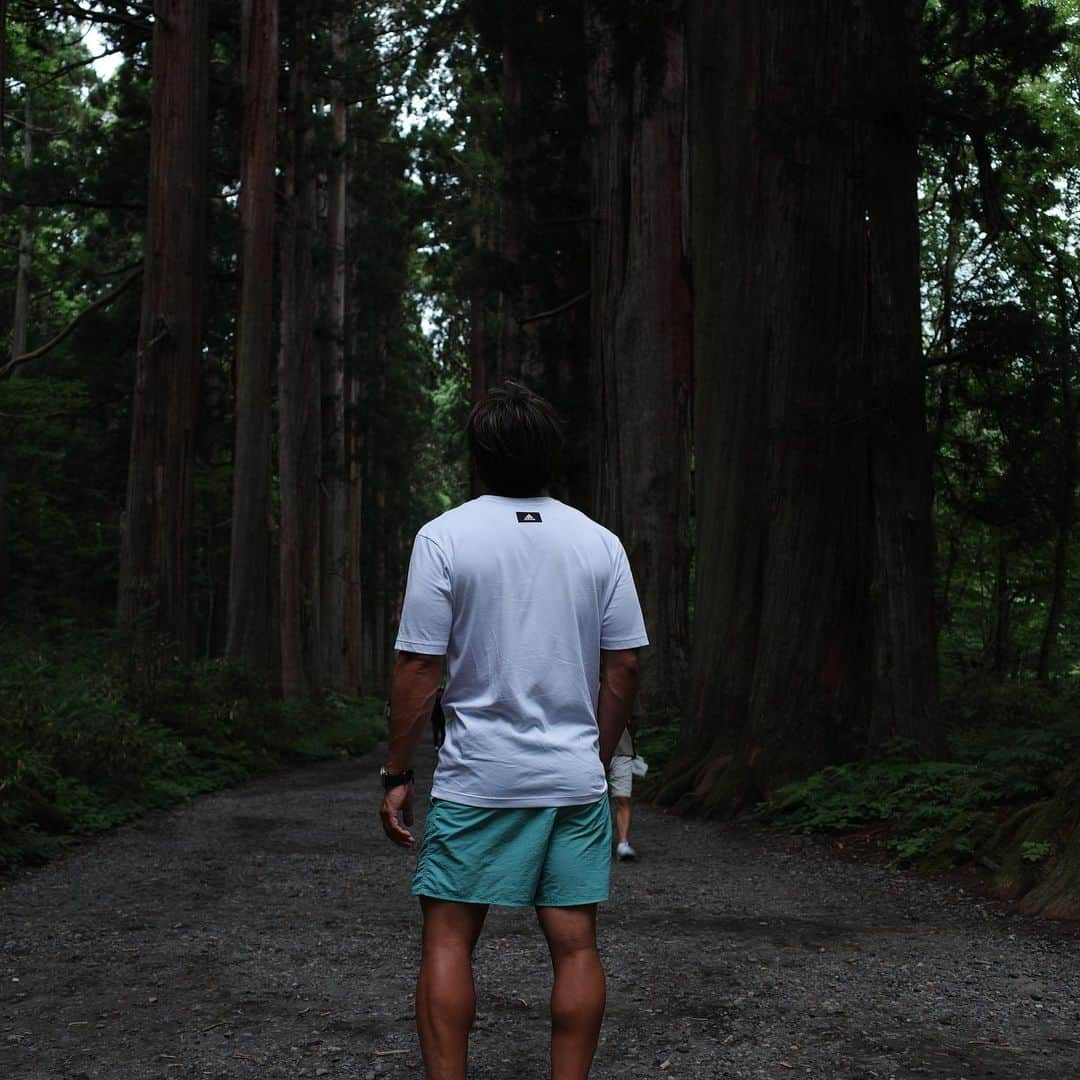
x=521 y=595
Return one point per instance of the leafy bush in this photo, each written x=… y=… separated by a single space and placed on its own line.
x=92 y=734
x=1036 y=851
x=1008 y=750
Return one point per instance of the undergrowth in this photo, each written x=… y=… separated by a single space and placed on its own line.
x=93 y=733
x=1009 y=746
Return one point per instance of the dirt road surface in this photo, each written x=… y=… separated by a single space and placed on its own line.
x=267 y=931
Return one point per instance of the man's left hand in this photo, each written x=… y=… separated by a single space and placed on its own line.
x=396 y=814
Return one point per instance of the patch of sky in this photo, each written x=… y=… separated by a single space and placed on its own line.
x=107 y=62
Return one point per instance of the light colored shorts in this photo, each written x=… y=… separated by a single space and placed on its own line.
x=516 y=857
x=620 y=779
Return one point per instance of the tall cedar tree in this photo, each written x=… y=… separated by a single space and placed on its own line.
x=814 y=634
x=156 y=547
x=541 y=330
x=339 y=572
x=641 y=322
x=250 y=631
x=299 y=387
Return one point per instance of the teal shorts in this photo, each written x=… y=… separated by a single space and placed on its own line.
x=515 y=857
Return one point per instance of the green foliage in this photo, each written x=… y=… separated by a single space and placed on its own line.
x=63 y=539
x=1036 y=851
x=657 y=746
x=88 y=740
x=657 y=740
x=1009 y=752
x=1000 y=219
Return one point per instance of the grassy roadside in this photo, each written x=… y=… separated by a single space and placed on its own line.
x=92 y=735
x=1006 y=801
x=1005 y=805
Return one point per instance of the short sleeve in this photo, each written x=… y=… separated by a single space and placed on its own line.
x=623 y=626
x=428 y=610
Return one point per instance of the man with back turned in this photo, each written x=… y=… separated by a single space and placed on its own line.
x=533 y=607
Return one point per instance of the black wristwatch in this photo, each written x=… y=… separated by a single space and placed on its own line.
x=392 y=780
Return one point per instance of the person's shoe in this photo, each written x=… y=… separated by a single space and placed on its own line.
x=625 y=852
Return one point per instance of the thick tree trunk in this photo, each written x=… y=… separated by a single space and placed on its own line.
x=810 y=447
x=155 y=562
x=299 y=392
x=901 y=592
x=376 y=591
x=5 y=558
x=336 y=563
x=354 y=496
x=641 y=332
x=249 y=625
x=357 y=427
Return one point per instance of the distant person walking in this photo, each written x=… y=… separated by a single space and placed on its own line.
x=534 y=608
x=621 y=787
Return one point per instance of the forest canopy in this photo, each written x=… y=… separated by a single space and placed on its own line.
x=805 y=290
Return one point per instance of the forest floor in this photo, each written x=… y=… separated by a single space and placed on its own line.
x=267 y=931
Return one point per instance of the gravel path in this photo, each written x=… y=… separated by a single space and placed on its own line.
x=267 y=932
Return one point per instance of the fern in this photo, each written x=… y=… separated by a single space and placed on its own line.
x=1008 y=751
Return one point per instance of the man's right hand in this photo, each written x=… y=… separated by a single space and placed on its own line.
x=396 y=813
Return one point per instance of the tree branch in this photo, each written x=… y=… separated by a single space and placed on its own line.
x=556 y=310
x=102 y=301
x=54 y=76
x=114 y=18
x=73 y=200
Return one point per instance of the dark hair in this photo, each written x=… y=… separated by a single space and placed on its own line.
x=514 y=437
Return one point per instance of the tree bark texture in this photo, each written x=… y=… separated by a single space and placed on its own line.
x=5 y=452
x=299 y=392
x=904 y=700
x=250 y=629
x=814 y=616
x=354 y=504
x=376 y=610
x=154 y=590
x=641 y=331
x=359 y=408
x=338 y=569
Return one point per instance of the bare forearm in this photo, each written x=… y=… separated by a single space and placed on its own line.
x=412 y=695
x=614 y=713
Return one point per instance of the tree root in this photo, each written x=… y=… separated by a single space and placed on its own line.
x=1037 y=853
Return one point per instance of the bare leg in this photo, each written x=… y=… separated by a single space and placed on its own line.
x=445 y=997
x=577 y=998
x=622 y=807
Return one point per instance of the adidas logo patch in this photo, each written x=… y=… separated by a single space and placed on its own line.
x=528 y=515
